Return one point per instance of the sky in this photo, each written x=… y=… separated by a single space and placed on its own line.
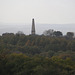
x=43 y=11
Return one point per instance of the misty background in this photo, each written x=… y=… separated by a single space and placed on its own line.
x=40 y=28
x=16 y=15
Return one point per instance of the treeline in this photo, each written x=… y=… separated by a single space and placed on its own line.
x=34 y=45
x=53 y=33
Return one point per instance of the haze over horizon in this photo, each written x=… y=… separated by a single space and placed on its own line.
x=40 y=28
x=16 y=15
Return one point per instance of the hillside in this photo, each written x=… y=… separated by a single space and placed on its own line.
x=36 y=55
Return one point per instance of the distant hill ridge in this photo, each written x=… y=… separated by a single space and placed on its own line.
x=40 y=28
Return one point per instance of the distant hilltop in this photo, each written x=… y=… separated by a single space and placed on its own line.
x=40 y=28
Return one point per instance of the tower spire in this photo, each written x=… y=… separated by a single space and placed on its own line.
x=33 y=27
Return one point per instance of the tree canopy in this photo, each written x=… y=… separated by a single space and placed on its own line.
x=36 y=55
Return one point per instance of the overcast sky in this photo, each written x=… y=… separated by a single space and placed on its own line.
x=44 y=11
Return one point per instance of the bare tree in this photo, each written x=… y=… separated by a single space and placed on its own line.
x=48 y=32
x=19 y=33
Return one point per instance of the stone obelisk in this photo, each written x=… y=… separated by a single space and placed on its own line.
x=33 y=27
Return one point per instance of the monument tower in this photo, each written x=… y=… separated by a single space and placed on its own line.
x=33 y=27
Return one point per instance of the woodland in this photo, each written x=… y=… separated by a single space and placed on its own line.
x=22 y=54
